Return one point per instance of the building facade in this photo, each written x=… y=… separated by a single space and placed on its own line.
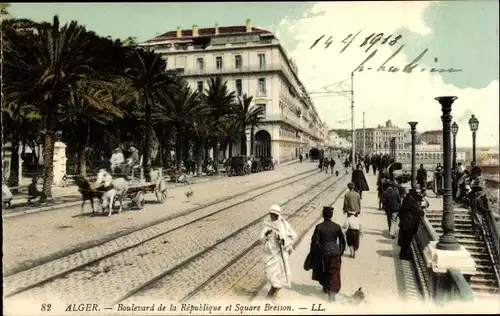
x=253 y=62
x=428 y=155
x=434 y=137
x=377 y=140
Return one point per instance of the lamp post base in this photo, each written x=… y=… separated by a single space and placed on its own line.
x=448 y=242
x=441 y=261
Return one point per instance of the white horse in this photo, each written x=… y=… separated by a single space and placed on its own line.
x=116 y=189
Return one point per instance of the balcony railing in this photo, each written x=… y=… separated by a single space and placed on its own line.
x=231 y=70
x=260 y=93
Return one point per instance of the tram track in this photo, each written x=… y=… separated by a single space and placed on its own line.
x=25 y=281
x=228 y=251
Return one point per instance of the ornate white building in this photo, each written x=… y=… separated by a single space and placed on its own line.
x=253 y=62
x=377 y=140
x=428 y=155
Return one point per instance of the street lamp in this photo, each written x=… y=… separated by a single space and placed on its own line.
x=454 y=131
x=413 y=125
x=447 y=241
x=474 y=125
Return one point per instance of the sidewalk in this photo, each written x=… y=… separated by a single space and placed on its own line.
x=377 y=268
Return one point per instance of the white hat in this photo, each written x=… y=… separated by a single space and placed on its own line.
x=275 y=209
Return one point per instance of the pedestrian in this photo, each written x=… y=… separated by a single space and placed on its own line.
x=359 y=180
x=300 y=158
x=325 y=255
x=116 y=159
x=346 y=165
x=410 y=216
x=422 y=177
x=332 y=164
x=352 y=200
x=381 y=185
x=279 y=237
x=367 y=164
x=392 y=204
x=353 y=232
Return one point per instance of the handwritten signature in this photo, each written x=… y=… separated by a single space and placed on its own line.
x=409 y=68
x=370 y=40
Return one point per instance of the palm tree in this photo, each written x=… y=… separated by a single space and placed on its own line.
x=247 y=115
x=88 y=102
x=230 y=128
x=181 y=109
x=148 y=76
x=58 y=57
x=220 y=100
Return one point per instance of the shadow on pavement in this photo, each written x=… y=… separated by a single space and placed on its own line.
x=308 y=290
x=384 y=241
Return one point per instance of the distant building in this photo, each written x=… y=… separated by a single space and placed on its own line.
x=434 y=137
x=428 y=155
x=377 y=139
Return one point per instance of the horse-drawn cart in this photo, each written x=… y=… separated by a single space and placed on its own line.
x=136 y=192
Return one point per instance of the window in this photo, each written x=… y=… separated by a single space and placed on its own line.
x=263 y=107
x=262 y=86
x=238 y=61
x=262 y=61
x=199 y=63
x=239 y=87
x=218 y=62
x=200 y=86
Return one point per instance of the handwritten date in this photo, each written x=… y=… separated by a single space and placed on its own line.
x=369 y=41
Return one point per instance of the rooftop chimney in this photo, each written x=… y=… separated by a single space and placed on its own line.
x=249 y=25
x=216 y=29
x=179 y=32
x=195 y=30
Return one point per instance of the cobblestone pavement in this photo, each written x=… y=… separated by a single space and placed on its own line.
x=111 y=278
x=30 y=239
x=181 y=283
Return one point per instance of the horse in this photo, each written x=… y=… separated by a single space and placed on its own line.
x=88 y=193
x=113 y=188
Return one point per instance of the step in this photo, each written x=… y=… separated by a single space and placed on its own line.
x=483 y=288
x=461 y=221
x=482 y=255
x=472 y=242
x=484 y=281
x=463 y=231
x=485 y=262
x=485 y=274
x=478 y=249
x=456 y=211
x=481 y=294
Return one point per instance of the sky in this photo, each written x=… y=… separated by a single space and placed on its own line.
x=457 y=35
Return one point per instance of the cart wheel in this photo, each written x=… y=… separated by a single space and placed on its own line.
x=139 y=200
x=161 y=191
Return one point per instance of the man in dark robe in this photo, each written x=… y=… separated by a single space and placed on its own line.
x=359 y=180
x=374 y=161
x=327 y=246
x=422 y=177
x=382 y=185
x=410 y=215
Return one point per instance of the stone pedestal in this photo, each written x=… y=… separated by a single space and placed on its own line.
x=7 y=160
x=59 y=162
x=439 y=262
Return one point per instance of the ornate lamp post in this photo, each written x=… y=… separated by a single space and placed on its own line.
x=413 y=125
x=447 y=241
x=454 y=131
x=474 y=124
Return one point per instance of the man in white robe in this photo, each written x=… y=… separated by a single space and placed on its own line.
x=279 y=237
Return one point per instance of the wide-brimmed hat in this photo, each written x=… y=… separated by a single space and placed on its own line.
x=117 y=149
x=275 y=209
x=133 y=149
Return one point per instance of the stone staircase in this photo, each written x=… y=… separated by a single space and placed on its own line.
x=484 y=283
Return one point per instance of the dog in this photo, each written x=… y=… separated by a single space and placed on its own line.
x=357 y=298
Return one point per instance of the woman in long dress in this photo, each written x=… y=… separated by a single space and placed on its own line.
x=279 y=237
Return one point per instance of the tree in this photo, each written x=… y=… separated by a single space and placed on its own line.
x=180 y=109
x=220 y=101
x=43 y=64
x=247 y=115
x=87 y=102
x=148 y=76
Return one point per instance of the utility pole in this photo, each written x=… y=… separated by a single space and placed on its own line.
x=364 y=135
x=352 y=123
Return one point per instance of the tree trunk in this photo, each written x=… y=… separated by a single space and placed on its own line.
x=146 y=158
x=14 y=164
x=178 y=148
x=216 y=156
x=252 y=140
x=82 y=159
x=230 y=145
x=243 y=142
x=199 y=156
x=48 y=156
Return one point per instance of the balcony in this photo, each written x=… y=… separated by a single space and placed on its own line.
x=260 y=93
x=206 y=71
